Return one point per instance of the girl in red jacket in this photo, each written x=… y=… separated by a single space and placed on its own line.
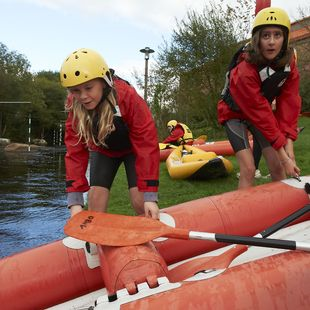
x=260 y=72
x=108 y=124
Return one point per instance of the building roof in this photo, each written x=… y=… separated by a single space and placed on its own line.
x=300 y=29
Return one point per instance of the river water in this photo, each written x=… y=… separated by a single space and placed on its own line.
x=33 y=200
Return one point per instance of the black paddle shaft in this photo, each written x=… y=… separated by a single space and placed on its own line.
x=269 y=243
x=289 y=219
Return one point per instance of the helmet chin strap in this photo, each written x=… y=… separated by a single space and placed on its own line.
x=108 y=79
x=105 y=93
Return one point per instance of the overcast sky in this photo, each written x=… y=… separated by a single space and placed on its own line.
x=46 y=31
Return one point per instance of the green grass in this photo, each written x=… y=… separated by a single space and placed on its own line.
x=173 y=192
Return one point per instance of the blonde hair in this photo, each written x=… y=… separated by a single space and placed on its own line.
x=93 y=126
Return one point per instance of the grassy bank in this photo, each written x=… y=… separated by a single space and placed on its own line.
x=173 y=192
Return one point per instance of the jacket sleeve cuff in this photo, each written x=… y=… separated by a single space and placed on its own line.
x=75 y=198
x=150 y=196
x=292 y=135
x=279 y=142
x=147 y=185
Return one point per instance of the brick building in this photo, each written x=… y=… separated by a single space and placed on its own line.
x=300 y=39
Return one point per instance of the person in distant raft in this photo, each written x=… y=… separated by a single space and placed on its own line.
x=263 y=70
x=110 y=124
x=179 y=134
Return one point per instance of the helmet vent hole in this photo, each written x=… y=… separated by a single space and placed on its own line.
x=76 y=56
x=65 y=76
x=77 y=73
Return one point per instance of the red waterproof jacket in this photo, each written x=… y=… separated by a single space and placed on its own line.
x=176 y=134
x=180 y=134
x=143 y=137
x=245 y=88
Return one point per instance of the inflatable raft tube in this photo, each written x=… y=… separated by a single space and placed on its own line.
x=63 y=270
x=193 y=163
x=257 y=279
x=219 y=147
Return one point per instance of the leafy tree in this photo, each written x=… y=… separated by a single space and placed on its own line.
x=48 y=120
x=25 y=95
x=189 y=74
x=16 y=86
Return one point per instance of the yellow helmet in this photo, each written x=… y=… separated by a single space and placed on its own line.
x=271 y=16
x=172 y=123
x=82 y=66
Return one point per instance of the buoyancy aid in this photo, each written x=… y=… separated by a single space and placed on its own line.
x=188 y=135
x=272 y=81
x=118 y=139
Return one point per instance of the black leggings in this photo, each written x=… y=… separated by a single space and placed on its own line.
x=257 y=153
x=103 y=169
x=237 y=133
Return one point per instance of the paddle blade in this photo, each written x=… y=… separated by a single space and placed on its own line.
x=163 y=146
x=200 y=140
x=118 y=230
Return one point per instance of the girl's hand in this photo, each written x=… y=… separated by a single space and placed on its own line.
x=151 y=210
x=290 y=168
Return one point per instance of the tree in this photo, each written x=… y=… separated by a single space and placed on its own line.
x=48 y=120
x=189 y=72
x=41 y=95
x=16 y=86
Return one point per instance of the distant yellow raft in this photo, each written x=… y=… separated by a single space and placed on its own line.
x=190 y=162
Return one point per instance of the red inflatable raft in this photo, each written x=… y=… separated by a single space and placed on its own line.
x=62 y=271
x=219 y=147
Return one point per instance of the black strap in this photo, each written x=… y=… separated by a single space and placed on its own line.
x=152 y=182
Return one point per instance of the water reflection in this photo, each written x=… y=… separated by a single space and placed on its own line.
x=33 y=201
